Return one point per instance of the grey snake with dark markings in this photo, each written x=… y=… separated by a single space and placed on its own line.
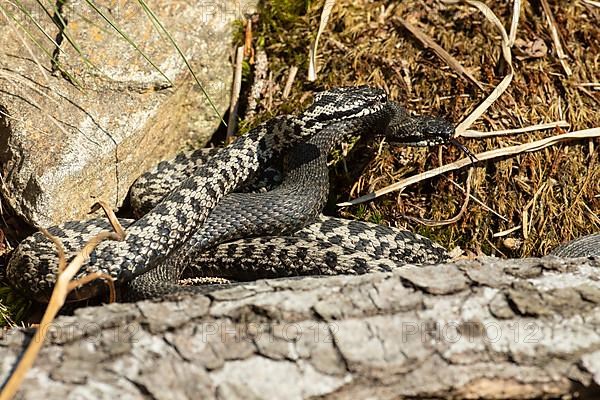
x=214 y=222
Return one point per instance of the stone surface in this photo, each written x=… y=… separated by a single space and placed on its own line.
x=380 y=335
x=63 y=147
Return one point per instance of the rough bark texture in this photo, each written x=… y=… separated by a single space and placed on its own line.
x=62 y=147
x=481 y=329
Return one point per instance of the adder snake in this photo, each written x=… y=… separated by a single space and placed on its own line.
x=210 y=224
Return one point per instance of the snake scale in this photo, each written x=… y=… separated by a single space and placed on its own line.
x=217 y=218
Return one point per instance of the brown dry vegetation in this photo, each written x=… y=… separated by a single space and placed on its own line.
x=557 y=190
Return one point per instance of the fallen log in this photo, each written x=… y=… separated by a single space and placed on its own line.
x=480 y=329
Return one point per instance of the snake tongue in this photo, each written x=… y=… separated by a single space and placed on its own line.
x=464 y=149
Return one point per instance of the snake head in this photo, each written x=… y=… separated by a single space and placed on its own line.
x=421 y=131
x=417 y=130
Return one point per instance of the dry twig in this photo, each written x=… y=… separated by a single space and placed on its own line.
x=64 y=284
x=248 y=49
x=487 y=155
x=259 y=83
x=235 y=95
x=476 y=134
x=290 y=81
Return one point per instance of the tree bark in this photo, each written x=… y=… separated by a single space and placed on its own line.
x=479 y=329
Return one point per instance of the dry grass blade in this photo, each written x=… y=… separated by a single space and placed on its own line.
x=312 y=60
x=487 y=155
x=531 y=128
x=64 y=284
x=443 y=54
x=248 y=48
x=514 y=23
x=562 y=57
x=592 y=3
x=62 y=259
x=289 y=82
x=507 y=231
x=482 y=204
x=463 y=208
x=506 y=54
x=112 y=218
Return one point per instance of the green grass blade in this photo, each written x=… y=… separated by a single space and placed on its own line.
x=124 y=36
x=153 y=16
x=13 y=308
x=87 y=20
x=38 y=44
x=61 y=24
x=26 y=12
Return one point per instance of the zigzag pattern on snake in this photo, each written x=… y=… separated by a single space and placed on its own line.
x=290 y=206
x=186 y=227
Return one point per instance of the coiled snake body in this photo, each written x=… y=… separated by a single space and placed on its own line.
x=201 y=224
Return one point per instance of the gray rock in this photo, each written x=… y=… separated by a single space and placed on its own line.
x=63 y=147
